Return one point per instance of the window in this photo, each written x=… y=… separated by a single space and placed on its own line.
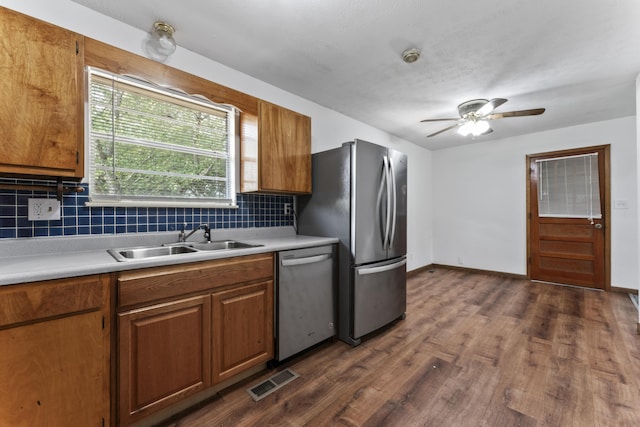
x=569 y=187
x=152 y=146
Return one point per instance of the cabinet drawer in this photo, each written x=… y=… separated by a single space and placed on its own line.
x=156 y=284
x=36 y=301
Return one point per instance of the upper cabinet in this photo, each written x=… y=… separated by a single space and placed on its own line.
x=41 y=107
x=275 y=151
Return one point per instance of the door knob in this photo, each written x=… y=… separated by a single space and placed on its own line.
x=598 y=226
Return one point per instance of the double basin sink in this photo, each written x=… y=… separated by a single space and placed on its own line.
x=173 y=249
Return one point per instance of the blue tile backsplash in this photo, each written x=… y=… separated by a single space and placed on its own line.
x=255 y=210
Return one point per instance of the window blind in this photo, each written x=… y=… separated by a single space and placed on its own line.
x=569 y=187
x=152 y=146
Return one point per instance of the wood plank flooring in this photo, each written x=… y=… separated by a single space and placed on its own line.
x=474 y=350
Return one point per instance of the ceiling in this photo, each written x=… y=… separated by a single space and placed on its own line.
x=577 y=58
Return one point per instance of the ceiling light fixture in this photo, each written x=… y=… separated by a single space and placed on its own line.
x=161 y=44
x=411 y=55
x=474 y=127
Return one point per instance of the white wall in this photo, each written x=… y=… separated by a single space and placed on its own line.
x=329 y=128
x=480 y=198
x=637 y=260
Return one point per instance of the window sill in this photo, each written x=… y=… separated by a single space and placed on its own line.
x=158 y=204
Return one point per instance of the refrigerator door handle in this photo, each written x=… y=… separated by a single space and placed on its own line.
x=387 y=177
x=394 y=205
x=378 y=210
x=374 y=270
x=305 y=260
x=385 y=183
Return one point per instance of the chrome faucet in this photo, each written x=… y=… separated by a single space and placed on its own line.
x=207 y=232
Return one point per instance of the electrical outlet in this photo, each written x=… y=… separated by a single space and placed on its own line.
x=43 y=209
x=287 y=208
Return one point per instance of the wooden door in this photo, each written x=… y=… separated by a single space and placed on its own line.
x=165 y=355
x=570 y=247
x=242 y=329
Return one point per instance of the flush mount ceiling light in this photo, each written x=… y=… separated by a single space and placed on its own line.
x=411 y=55
x=161 y=44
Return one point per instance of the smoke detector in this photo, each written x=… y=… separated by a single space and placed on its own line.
x=411 y=55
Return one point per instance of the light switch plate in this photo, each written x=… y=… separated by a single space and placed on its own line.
x=44 y=209
x=621 y=204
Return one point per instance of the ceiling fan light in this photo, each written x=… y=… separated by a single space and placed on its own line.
x=466 y=128
x=481 y=127
x=474 y=128
x=475 y=115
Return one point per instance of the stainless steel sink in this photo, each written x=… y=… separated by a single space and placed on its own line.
x=217 y=245
x=147 y=252
x=173 y=249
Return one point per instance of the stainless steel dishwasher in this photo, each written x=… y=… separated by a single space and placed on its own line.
x=305 y=295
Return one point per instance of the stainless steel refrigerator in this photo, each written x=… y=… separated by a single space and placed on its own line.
x=360 y=196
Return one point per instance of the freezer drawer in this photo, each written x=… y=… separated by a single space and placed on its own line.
x=379 y=295
x=305 y=295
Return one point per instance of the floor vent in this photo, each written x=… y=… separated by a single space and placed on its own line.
x=272 y=384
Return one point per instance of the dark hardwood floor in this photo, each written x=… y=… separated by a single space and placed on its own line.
x=474 y=350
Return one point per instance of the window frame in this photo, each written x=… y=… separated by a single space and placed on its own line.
x=591 y=207
x=179 y=97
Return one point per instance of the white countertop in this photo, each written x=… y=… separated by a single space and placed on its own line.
x=35 y=259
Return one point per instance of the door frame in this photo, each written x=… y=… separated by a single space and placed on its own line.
x=606 y=202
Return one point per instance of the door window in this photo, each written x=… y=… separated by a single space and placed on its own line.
x=569 y=187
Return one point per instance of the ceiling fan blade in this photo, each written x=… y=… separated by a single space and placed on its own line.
x=438 y=120
x=444 y=130
x=520 y=113
x=490 y=106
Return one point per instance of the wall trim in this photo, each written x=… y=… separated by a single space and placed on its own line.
x=479 y=271
x=419 y=270
x=623 y=290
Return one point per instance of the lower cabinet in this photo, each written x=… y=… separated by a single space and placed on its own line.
x=182 y=329
x=165 y=354
x=54 y=353
x=242 y=329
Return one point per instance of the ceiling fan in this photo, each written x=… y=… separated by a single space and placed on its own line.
x=475 y=115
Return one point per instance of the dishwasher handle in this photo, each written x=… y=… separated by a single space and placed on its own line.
x=383 y=268
x=305 y=260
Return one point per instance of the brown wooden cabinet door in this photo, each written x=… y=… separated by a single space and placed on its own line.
x=41 y=107
x=54 y=353
x=284 y=139
x=242 y=329
x=164 y=355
